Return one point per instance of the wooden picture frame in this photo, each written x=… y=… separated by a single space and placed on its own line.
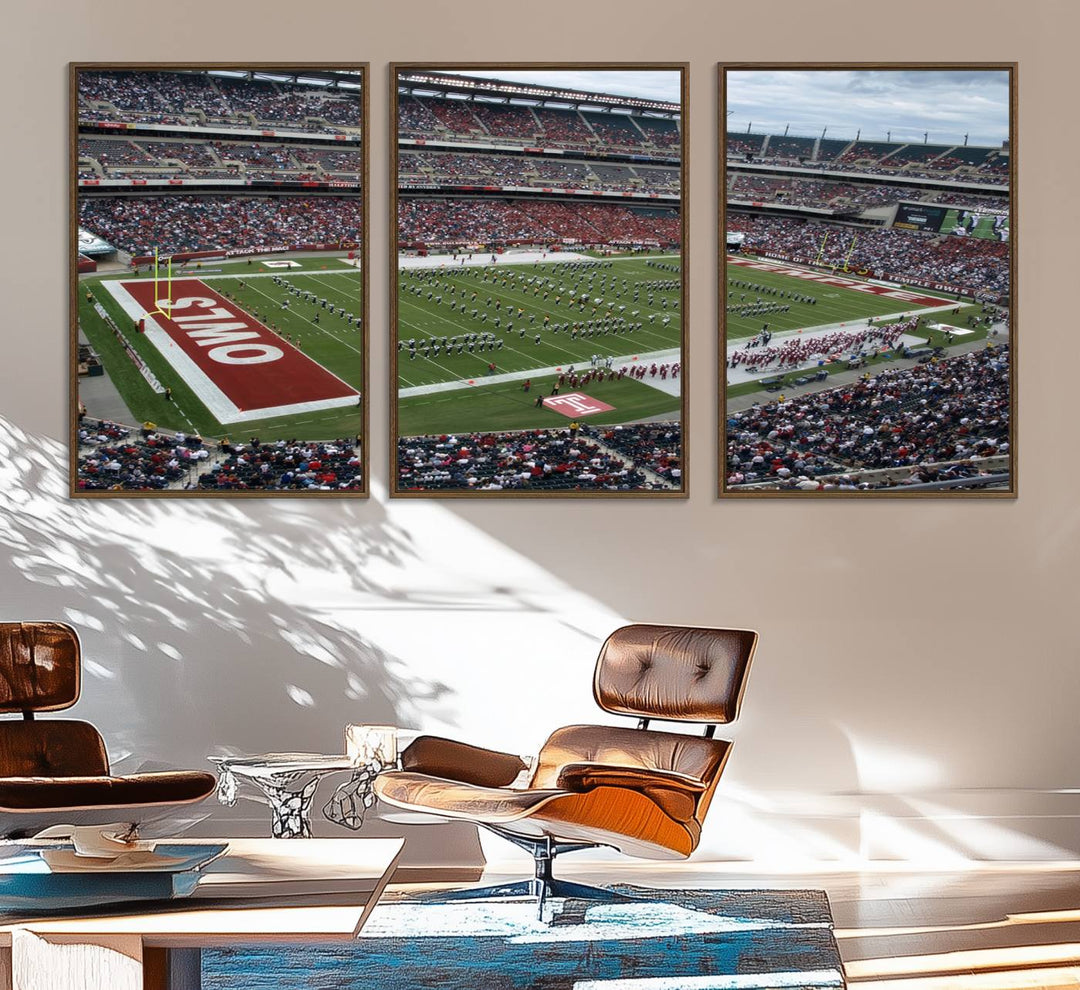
x=671 y=481
x=959 y=183
x=137 y=454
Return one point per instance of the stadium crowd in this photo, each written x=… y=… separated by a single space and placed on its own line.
x=823 y=194
x=114 y=457
x=211 y=159
x=434 y=117
x=201 y=223
x=449 y=167
x=973 y=265
x=442 y=222
x=286 y=465
x=539 y=460
x=953 y=409
x=199 y=99
x=656 y=446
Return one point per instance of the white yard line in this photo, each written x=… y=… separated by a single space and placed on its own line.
x=313 y=326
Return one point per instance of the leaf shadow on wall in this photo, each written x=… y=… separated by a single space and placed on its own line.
x=197 y=636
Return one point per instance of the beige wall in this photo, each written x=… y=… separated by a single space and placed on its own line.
x=918 y=659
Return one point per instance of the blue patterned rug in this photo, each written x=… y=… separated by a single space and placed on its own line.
x=664 y=940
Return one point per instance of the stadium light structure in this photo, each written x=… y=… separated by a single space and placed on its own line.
x=575 y=97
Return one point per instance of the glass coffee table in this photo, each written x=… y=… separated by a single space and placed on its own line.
x=288 y=780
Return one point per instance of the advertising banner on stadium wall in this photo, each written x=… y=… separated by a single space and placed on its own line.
x=461 y=187
x=209 y=130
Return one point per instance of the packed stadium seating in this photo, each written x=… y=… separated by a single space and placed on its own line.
x=839 y=195
x=431 y=117
x=948 y=410
x=599 y=145
x=446 y=222
x=539 y=460
x=286 y=466
x=656 y=446
x=180 y=223
x=972 y=265
x=203 y=159
x=200 y=99
x=112 y=456
x=449 y=168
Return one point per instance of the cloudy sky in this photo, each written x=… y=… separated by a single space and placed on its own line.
x=906 y=102
x=646 y=85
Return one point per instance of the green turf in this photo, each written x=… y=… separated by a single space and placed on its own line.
x=334 y=344
x=513 y=287
x=834 y=304
x=508 y=407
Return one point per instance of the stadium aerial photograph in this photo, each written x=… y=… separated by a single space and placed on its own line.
x=218 y=312
x=868 y=293
x=538 y=332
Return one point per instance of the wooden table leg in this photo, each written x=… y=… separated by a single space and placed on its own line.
x=89 y=962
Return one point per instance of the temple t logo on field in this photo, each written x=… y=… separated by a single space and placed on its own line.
x=576 y=404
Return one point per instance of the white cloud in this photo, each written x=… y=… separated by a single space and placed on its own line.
x=946 y=104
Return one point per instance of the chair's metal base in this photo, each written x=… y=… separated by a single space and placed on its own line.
x=542 y=886
x=533 y=890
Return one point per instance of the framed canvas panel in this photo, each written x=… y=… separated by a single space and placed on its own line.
x=218 y=279
x=538 y=299
x=868 y=280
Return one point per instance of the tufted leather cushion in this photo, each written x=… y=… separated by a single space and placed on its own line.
x=679 y=673
x=51 y=748
x=39 y=666
x=616 y=745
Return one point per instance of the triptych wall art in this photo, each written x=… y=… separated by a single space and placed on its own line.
x=540 y=315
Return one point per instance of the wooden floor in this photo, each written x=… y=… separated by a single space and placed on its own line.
x=1006 y=926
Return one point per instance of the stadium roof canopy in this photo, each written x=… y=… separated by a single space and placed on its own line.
x=329 y=78
x=505 y=91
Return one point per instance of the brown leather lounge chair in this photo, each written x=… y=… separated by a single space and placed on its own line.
x=55 y=771
x=645 y=793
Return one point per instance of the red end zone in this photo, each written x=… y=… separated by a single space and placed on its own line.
x=252 y=368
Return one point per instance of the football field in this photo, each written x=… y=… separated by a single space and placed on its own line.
x=243 y=348
x=477 y=346
x=784 y=299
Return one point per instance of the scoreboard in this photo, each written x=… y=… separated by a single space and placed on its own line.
x=915 y=216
